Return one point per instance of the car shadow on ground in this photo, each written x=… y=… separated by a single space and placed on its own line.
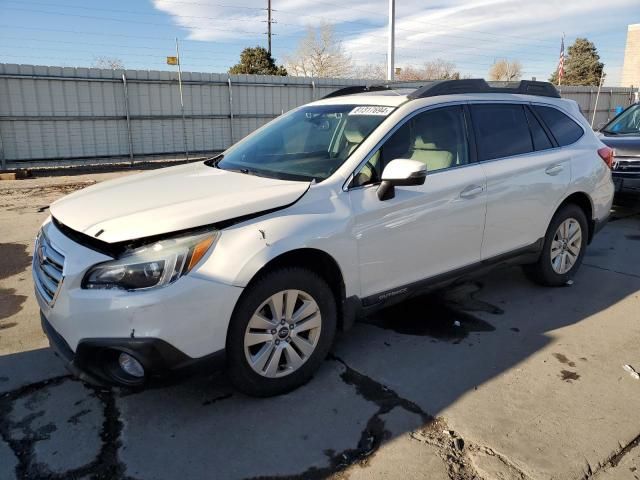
x=393 y=373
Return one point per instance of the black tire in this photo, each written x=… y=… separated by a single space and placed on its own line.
x=241 y=374
x=542 y=271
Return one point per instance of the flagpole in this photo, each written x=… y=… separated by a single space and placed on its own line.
x=562 y=54
x=595 y=107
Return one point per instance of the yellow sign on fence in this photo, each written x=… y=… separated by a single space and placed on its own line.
x=172 y=60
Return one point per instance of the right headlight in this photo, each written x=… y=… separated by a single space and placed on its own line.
x=152 y=266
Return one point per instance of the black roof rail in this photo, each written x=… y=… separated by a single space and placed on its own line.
x=479 y=85
x=356 y=89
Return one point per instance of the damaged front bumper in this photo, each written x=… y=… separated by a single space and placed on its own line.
x=95 y=360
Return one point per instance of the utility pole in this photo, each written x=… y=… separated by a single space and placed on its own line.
x=391 y=41
x=269 y=24
x=184 y=122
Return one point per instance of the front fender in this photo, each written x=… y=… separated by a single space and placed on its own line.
x=323 y=224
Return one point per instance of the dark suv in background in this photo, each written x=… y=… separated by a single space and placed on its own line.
x=623 y=135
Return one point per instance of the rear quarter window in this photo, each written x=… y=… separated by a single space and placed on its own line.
x=565 y=130
x=502 y=130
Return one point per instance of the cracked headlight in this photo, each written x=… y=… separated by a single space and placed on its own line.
x=151 y=266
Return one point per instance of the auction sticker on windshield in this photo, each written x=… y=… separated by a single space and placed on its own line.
x=371 y=110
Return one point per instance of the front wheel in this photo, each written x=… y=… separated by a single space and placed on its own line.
x=280 y=332
x=564 y=246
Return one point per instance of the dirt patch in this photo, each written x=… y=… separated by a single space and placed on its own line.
x=15 y=259
x=10 y=304
x=43 y=190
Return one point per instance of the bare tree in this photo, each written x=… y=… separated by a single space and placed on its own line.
x=437 y=69
x=320 y=54
x=505 y=70
x=108 y=63
x=370 y=71
x=409 y=73
x=440 y=69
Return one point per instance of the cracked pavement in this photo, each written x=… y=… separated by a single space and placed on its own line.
x=530 y=385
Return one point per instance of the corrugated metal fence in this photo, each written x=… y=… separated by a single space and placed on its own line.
x=82 y=115
x=608 y=100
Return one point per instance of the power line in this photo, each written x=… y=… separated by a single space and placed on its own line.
x=254 y=32
x=270 y=21
x=119 y=54
x=130 y=12
x=215 y=56
x=459 y=52
x=499 y=36
x=122 y=20
x=287 y=12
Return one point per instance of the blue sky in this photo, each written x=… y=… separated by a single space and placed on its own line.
x=470 y=33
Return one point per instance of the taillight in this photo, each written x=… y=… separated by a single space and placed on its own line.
x=606 y=154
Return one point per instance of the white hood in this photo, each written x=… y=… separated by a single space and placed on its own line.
x=170 y=199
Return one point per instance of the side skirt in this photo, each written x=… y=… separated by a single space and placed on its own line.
x=528 y=254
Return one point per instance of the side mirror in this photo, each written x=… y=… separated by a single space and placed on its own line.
x=401 y=173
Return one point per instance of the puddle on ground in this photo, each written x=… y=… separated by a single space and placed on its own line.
x=563 y=359
x=10 y=304
x=439 y=315
x=15 y=259
x=569 y=376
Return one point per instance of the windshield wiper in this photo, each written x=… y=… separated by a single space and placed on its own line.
x=244 y=170
x=214 y=161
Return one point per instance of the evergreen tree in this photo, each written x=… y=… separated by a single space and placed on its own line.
x=257 y=61
x=582 y=65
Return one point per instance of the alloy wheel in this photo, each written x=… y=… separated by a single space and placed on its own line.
x=282 y=333
x=566 y=245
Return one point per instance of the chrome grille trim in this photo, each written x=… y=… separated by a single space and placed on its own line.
x=627 y=165
x=48 y=266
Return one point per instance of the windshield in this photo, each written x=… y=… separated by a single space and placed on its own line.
x=627 y=123
x=305 y=144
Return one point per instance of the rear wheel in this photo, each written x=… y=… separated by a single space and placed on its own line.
x=564 y=246
x=281 y=331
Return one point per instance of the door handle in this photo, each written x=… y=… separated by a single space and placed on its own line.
x=554 y=170
x=471 y=191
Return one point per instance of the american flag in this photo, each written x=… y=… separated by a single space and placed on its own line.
x=561 y=62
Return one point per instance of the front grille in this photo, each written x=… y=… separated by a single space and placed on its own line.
x=627 y=165
x=48 y=265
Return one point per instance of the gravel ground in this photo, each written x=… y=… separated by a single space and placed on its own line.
x=529 y=386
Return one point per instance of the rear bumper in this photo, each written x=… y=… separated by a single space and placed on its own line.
x=626 y=183
x=95 y=359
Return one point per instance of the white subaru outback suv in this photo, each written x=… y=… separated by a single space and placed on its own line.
x=256 y=257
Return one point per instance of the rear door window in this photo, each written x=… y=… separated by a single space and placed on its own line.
x=540 y=139
x=564 y=129
x=501 y=130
